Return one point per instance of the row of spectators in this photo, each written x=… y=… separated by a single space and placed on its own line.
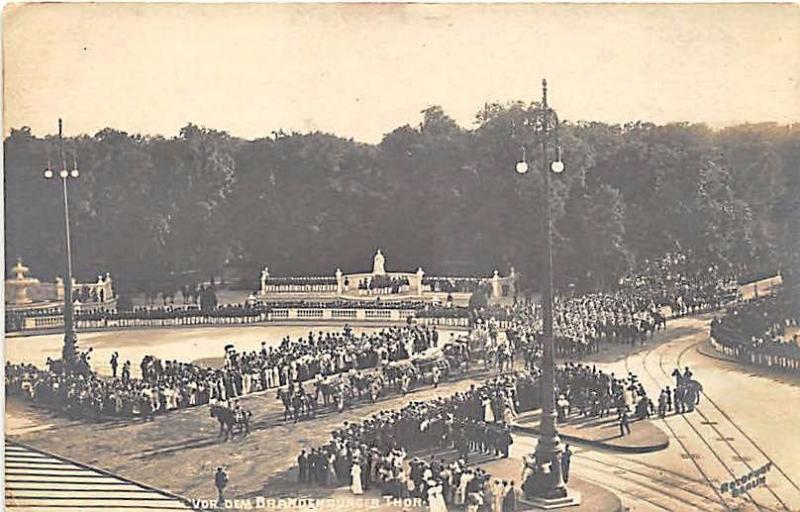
x=451 y=285
x=302 y=281
x=174 y=315
x=377 y=303
x=383 y=285
x=167 y=385
x=756 y=332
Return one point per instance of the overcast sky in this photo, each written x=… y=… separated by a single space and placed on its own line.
x=362 y=70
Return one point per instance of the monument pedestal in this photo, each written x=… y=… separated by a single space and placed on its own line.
x=572 y=499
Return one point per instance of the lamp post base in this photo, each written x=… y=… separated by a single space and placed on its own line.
x=570 y=499
x=545 y=485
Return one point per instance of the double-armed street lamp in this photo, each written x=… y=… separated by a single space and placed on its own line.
x=70 y=338
x=545 y=483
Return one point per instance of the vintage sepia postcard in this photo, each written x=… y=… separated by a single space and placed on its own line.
x=401 y=257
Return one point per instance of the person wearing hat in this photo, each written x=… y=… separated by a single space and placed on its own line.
x=114 y=364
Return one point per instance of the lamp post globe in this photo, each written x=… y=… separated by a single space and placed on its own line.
x=48 y=174
x=74 y=173
x=63 y=173
x=522 y=167
x=557 y=167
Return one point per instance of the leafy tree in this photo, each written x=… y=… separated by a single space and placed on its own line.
x=161 y=213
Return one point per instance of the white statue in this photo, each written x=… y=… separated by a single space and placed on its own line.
x=263 y=279
x=377 y=264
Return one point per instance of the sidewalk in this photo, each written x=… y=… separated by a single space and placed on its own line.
x=645 y=436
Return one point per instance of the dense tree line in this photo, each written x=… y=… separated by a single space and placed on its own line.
x=151 y=209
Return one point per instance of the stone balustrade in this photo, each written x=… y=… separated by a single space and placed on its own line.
x=292 y=314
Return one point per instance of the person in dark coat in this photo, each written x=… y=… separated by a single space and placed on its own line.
x=114 y=364
x=504 y=441
x=221 y=481
x=510 y=499
x=566 y=460
x=302 y=464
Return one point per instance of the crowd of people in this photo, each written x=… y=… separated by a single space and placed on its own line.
x=382 y=285
x=629 y=314
x=377 y=451
x=344 y=367
x=300 y=284
x=377 y=303
x=757 y=332
x=155 y=316
x=340 y=368
x=384 y=451
x=168 y=385
x=684 y=283
x=451 y=285
x=590 y=392
x=250 y=311
x=164 y=386
x=583 y=324
x=303 y=281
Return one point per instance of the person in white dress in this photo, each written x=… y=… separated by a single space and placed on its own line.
x=435 y=497
x=461 y=493
x=508 y=415
x=488 y=413
x=355 y=474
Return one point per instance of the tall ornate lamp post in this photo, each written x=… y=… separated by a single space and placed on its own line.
x=544 y=484
x=70 y=338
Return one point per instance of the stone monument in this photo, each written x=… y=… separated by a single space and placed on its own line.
x=378 y=264
x=263 y=280
x=339 y=281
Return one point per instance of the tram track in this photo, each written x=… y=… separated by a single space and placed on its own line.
x=725 y=439
x=628 y=492
x=681 y=443
x=717 y=455
x=677 y=480
x=650 y=483
x=738 y=428
x=720 y=431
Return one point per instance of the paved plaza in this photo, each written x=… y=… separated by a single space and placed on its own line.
x=741 y=424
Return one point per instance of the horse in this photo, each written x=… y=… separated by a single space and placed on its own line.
x=285 y=396
x=693 y=391
x=231 y=421
x=659 y=319
x=678 y=307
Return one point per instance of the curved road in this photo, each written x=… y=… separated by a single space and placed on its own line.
x=744 y=421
